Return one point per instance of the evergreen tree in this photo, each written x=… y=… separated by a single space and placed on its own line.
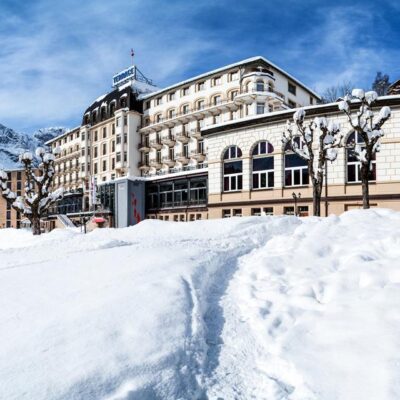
x=381 y=84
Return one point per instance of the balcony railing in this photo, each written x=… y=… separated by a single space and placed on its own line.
x=204 y=108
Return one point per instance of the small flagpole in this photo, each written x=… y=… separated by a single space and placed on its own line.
x=132 y=55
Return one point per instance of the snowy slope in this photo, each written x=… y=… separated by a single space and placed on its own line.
x=246 y=308
x=12 y=144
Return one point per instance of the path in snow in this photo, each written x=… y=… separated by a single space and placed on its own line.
x=275 y=308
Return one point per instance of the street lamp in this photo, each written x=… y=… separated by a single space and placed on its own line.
x=296 y=197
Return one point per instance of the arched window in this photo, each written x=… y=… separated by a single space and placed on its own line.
x=259 y=86
x=233 y=169
x=296 y=169
x=112 y=109
x=103 y=114
x=263 y=165
x=353 y=164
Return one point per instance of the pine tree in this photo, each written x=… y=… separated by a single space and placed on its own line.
x=381 y=84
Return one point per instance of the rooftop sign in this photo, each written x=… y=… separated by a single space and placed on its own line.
x=124 y=76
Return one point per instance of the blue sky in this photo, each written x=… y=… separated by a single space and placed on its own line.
x=56 y=57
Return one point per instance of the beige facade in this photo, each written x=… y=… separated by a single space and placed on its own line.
x=173 y=118
x=9 y=218
x=343 y=191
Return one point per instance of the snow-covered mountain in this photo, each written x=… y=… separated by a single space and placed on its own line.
x=13 y=143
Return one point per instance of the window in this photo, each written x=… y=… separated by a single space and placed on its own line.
x=186 y=150
x=200 y=105
x=113 y=163
x=217 y=119
x=185 y=91
x=291 y=88
x=118 y=121
x=226 y=213
x=217 y=81
x=302 y=211
x=125 y=120
x=126 y=137
x=217 y=100
x=262 y=211
x=288 y=210
x=311 y=100
x=260 y=86
x=263 y=165
x=201 y=86
x=95 y=154
x=185 y=109
x=158 y=101
x=104 y=165
x=113 y=146
x=296 y=169
x=233 y=94
x=200 y=146
x=291 y=104
x=95 y=136
x=233 y=76
x=171 y=96
x=95 y=168
x=237 y=212
x=260 y=108
x=125 y=156
x=118 y=139
x=104 y=149
x=158 y=118
x=233 y=169
x=171 y=113
x=353 y=164
x=118 y=157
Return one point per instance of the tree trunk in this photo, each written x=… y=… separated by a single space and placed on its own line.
x=35 y=222
x=365 y=184
x=317 y=190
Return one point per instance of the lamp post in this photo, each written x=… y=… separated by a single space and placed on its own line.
x=296 y=197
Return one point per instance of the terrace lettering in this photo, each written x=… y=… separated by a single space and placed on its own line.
x=123 y=76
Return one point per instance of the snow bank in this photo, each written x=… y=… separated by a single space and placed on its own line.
x=260 y=307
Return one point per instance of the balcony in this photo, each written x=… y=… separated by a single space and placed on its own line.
x=155 y=144
x=168 y=140
x=182 y=137
x=191 y=114
x=167 y=160
x=250 y=95
x=197 y=155
x=182 y=158
x=195 y=133
x=143 y=166
x=144 y=147
x=155 y=163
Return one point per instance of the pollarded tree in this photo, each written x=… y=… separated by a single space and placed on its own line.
x=301 y=142
x=37 y=195
x=369 y=128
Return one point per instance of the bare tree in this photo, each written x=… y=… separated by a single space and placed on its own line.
x=301 y=142
x=37 y=193
x=369 y=128
x=333 y=93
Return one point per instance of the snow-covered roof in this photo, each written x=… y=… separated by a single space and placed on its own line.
x=226 y=67
x=64 y=134
x=289 y=112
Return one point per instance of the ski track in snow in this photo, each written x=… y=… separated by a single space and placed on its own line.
x=252 y=308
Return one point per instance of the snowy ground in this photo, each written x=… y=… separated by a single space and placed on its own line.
x=247 y=308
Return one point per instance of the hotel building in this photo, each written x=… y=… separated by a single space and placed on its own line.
x=209 y=147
